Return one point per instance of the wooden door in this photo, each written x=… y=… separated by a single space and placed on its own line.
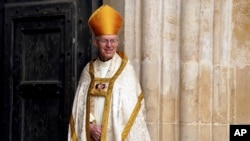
x=43 y=58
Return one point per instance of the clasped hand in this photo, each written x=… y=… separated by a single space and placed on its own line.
x=95 y=132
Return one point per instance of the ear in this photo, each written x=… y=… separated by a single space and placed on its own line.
x=118 y=40
x=95 y=43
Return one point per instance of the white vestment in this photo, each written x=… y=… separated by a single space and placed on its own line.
x=119 y=108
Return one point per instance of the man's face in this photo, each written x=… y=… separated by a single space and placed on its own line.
x=107 y=45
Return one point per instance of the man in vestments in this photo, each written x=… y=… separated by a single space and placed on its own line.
x=108 y=104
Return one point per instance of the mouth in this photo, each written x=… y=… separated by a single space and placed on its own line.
x=109 y=51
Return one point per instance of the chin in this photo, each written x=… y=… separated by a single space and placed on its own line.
x=108 y=58
x=109 y=55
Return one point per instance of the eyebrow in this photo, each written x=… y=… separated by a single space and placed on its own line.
x=99 y=37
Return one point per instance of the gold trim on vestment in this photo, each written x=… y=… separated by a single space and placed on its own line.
x=107 y=94
x=72 y=128
x=132 y=117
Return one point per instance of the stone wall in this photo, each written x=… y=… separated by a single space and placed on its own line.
x=193 y=60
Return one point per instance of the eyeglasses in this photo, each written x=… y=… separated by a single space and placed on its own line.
x=106 y=41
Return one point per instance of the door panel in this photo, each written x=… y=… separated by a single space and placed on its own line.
x=38 y=45
x=39 y=52
x=46 y=44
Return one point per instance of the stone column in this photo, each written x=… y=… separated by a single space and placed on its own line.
x=189 y=53
x=205 y=60
x=221 y=70
x=192 y=57
x=151 y=55
x=240 y=60
x=151 y=40
x=169 y=69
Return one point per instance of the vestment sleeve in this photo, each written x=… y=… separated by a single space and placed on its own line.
x=77 y=118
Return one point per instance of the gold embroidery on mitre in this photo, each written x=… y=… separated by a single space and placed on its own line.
x=105 y=20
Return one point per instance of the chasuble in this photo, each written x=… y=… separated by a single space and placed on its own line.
x=109 y=94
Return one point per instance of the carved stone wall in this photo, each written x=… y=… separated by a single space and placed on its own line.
x=193 y=60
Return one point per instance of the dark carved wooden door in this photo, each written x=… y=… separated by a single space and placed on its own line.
x=46 y=44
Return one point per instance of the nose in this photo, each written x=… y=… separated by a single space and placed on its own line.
x=108 y=43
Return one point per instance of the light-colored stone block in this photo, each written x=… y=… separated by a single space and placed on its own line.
x=189 y=132
x=243 y=95
x=220 y=132
x=169 y=132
